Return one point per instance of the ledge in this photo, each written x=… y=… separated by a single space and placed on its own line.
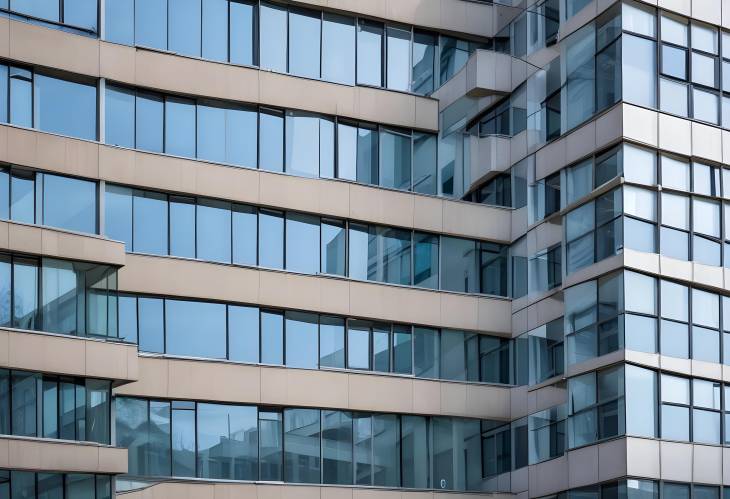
x=68 y=355
x=336 y=198
x=37 y=454
x=58 y=243
x=223 y=381
x=167 y=72
x=170 y=276
x=200 y=489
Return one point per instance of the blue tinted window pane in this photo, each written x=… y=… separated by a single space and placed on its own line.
x=458 y=265
x=271 y=452
x=131 y=421
x=386 y=463
x=326 y=148
x=214 y=231
x=424 y=63
x=150 y=222
x=301 y=444
x=50 y=486
x=243 y=334
x=706 y=427
x=302 y=144
x=150 y=23
x=705 y=344
x=185 y=25
x=45 y=9
x=22 y=197
x=5 y=280
x=302 y=331
x=24 y=405
x=119 y=116
x=304 y=40
x=128 y=319
x=4 y=194
x=362 y=442
x=271 y=239
x=346 y=151
x=426 y=260
x=22 y=485
x=395 y=160
x=149 y=122
x=391 y=262
x=242 y=32
x=454 y=54
x=272 y=338
x=151 y=325
x=81 y=13
x=3 y=93
x=271 y=141
x=358 y=251
x=302 y=243
x=424 y=163
x=69 y=203
x=118 y=214
x=674 y=243
x=402 y=350
x=182 y=227
x=215 y=30
x=159 y=460
x=426 y=352
x=338 y=49
x=245 y=230
x=273 y=37
x=369 y=53
x=381 y=349
x=212 y=132
x=227 y=442
x=180 y=127
x=332 y=342
x=65 y=107
x=183 y=442
x=367 y=156
x=399 y=48
x=336 y=447
x=706 y=251
x=80 y=486
x=119 y=21
x=358 y=345
x=674 y=339
x=21 y=97
x=195 y=329
x=675 y=423
x=333 y=247
x=241 y=137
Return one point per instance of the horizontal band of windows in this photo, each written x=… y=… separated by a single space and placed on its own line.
x=299 y=143
x=648 y=489
x=243 y=442
x=155 y=223
x=15 y=484
x=256 y=335
x=301 y=42
x=41 y=405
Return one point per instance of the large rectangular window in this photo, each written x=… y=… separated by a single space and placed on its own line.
x=227 y=442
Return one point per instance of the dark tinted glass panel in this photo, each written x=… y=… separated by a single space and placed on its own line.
x=386 y=444
x=185 y=25
x=301 y=444
x=272 y=338
x=367 y=156
x=336 y=447
x=395 y=160
x=22 y=485
x=98 y=414
x=415 y=451
x=243 y=334
x=50 y=486
x=227 y=442
x=180 y=127
x=25 y=294
x=331 y=342
x=25 y=404
x=195 y=329
x=69 y=203
x=213 y=231
x=4 y=101
x=65 y=107
x=426 y=352
x=425 y=260
x=424 y=163
x=131 y=423
x=402 y=350
x=423 y=62
x=458 y=265
x=302 y=332
x=119 y=116
x=4 y=194
x=453 y=355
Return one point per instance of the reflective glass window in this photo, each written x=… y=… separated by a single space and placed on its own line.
x=272 y=338
x=213 y=230
x=65 y=107
x=119 y=116
x=333 y=247
x=21 y=97
x=459 y=265
x=305 y=35
x=346 y=151
x=243 y=334
x=227 y=438
x=182 y=226
x=119 y=22
x=271 y=239
x=367 y=156
x=302 y=333
x=242 y=32
x=180 y=127
x=184 y=17
x=424 y=163
x=338 y=48
x=69 y=203
x=423 y=63
x=271 y=452
x=149 y=122
x=395 y=160
x=331 y=342
x=426 y=350
x=336 y=447
x=195 y=329
x=215 y=30
x=302 y=144
x=273 y=40
x=151 y=325
x=245 y=234
x=302 y=445
x=150 y=23
x=425 y=260
x=25 y=293
x=271 y=141
x=150 y=222
x=369 y=53
x=398 y=58
x=358 y=345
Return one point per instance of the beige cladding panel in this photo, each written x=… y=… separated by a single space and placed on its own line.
x=188 y=278
x=50 y=353
x=61 y=456
x=269 y=385
x=57 y=243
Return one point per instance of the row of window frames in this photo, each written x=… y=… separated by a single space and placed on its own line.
x=669 y=490
x=700 y=414
x=17 y=484
x=269 y=121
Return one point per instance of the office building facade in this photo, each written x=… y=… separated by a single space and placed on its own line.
x=349 y=249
